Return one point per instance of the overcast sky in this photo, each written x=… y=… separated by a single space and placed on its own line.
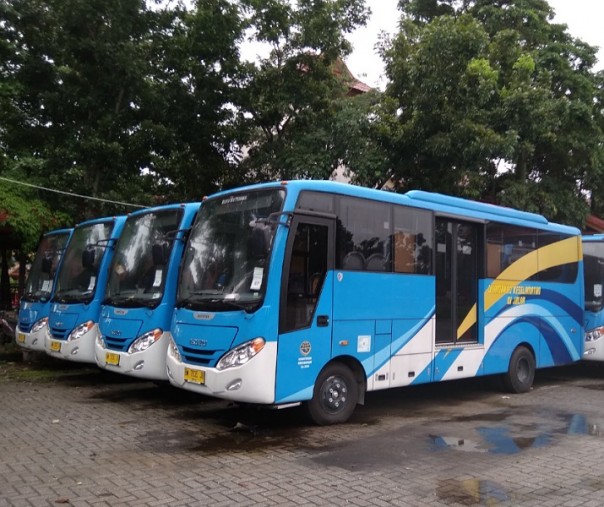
x=583 y=17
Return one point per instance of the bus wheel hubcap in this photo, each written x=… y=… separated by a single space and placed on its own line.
x=334 y=394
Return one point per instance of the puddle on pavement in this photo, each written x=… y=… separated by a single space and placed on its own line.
x=512 y=439
x=229 y=437
x=471 y=492
x=594 y=387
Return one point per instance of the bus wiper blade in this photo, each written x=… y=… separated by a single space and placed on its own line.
x=73 y=296
x=220 y=304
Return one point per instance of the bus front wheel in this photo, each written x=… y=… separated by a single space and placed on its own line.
x=521 y=372
x=335 y=395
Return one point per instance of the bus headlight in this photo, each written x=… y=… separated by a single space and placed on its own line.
x=173 y=350
x=144 y=341
x=39 y=325
x=100 y=341
x=80 y=331
x=594 y=334
x=241 y=354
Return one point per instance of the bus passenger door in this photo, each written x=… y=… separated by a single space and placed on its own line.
x=305 y=313
x=457 y=273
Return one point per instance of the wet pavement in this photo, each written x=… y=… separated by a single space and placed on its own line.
x=76 y=435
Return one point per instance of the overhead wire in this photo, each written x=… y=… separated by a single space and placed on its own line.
x=71 y=193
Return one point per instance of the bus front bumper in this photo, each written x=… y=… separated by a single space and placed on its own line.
x=80 y=350
x=31 y=341
x=594 y=350
x=148 y=364
x=253 y=382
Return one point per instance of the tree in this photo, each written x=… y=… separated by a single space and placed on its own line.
x=291 y=96
x=496 y=102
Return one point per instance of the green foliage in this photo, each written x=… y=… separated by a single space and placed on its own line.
x=27 y=216
x=482 y=85
x=291 y=96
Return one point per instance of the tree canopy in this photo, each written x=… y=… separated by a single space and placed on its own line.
x=151 y=101
x=496 y=102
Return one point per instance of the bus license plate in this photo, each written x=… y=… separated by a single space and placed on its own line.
x=195 y=376
x=21 y=337
x=55 y=346
x=112 y=358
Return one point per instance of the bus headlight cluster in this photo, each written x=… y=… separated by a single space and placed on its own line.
x=100 y=341
x=594 y=334
x=39 y=325
x=144 y=341
x=80 y=331
x=241 y=354
x=173 y=350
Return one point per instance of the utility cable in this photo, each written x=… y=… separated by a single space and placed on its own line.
x=71 y=193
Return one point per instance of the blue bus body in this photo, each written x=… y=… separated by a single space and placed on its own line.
x=593 y=259
x=329 y=290
x=141 y=291
x=34 y=306
x=81 y=279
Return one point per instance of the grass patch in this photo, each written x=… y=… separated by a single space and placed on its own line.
x=42 y=368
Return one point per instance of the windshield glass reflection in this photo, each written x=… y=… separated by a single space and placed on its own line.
x=226 y=260
x=138 y=272
x=42 y=272
x=79 y=271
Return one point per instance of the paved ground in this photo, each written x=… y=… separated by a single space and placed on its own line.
x=71 y=435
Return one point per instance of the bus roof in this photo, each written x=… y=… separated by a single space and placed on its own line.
x=163 y=207
x=592 y=238
x=57 y=232
x=440 y=203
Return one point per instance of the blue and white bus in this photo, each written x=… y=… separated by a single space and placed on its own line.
x=34 y=307
x=317 y=292
x=141 y=291
x=76 y=304
x=593 y=262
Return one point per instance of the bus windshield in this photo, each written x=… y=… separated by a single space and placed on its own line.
x=226 y=259
x=138 y=273
x=79 y=271
x=42 y=273
x=593 y=264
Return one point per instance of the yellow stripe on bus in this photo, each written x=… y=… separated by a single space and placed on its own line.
x=555 y=254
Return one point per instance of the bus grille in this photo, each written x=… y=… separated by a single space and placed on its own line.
x=200 y=357
x=25 y=327
x=59 y=334
x=118 y=344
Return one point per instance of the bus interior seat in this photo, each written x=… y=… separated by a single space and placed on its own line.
x=354 y=261
x=376 y=262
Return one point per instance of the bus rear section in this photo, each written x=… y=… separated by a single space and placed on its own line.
x=76 y=304
x=34 y=307
x=141 y=290
x=359 y=290
x=593 y=259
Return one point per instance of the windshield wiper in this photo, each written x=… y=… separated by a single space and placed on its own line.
x=71 y=297
x=203 y=302
x=131 y=301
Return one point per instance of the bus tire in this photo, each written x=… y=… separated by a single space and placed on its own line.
x=521 y=372
x=335 y=395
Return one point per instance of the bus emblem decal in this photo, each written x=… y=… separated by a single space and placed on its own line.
x=203 y=316
x=305 y=348
x=116 y=332
x=198 y=342
x=120 y=311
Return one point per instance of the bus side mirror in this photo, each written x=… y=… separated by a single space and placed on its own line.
x=160 y=252
x=88 y=257
x=46 y=265
x=259 y=241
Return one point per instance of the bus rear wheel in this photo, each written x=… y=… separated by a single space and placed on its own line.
x=521 y=372
x=335 y=395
